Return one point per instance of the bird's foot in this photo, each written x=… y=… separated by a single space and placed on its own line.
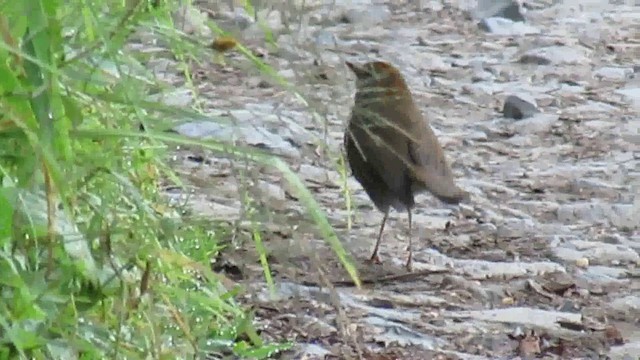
x=409 y=265
x=375 y=259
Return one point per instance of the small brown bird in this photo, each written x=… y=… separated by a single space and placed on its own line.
x=391 y=149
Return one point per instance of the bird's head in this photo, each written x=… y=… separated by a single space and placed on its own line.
x=379 y=77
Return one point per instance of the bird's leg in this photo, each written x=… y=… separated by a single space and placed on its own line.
x=374 y=257
x=409 y=248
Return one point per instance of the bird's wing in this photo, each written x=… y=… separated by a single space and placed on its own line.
x=431 y=166
x=379 y=149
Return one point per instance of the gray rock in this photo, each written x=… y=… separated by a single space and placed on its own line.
x=324 y=38
x=506 y=27
x=632 y=94
x=519 y=107
x=391 y=332
x=590 y=109
x=604 y=276
x=627 y=304
x=631 y=132
x=249 y=135
x=629 y=351
x=556 y=54
x=179 y=98
x=431 y=5
x=310 y=351
x=192 y=21
x=534 y=206
x=477 y=136
x=611 y=73
x=272 y=18
x=236 y=19
x=519 y=315
x=271 y=192
x=370 y=15
x=623 y=216
x=567 y=255
x=515 y=228
x=508 y=9
x=534 y=59
x=539 y=123
x=481 y=75
x=596 y=252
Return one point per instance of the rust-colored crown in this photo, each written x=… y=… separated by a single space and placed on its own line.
x=378 y=75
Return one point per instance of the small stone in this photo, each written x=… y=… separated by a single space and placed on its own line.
x=324 y=38
x=534 y=59
x=627 y=304
x=477 y=136
x=610 y=73
x=582 y=262
x=192 y=21
x=240 y=17
x=569 y=306
x=508 y=9
x=502 y=26
x=272 y=18
x=631 y=94
x=287 y=73
x=508 y=301
x=370 y=16
x=582 y=292
x=519 y=107
x=431 y=5
x=177 y=98
x=539 y=123
x=555 y=55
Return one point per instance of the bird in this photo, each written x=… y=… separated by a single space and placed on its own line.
x=391 y=149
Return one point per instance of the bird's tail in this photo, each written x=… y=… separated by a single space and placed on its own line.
x=442 y=187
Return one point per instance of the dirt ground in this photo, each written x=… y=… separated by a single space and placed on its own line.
x=542 y=262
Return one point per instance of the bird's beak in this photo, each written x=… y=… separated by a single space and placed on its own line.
x=359 y=71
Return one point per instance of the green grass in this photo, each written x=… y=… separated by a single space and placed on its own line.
x=95 y=262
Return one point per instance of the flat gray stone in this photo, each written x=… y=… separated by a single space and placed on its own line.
x=519 y=315
x=506 y=27
x=619 y=215
x=596 y=252
x=632 y=94
x=627 y=304
x=519 y=107
x=538 y=123
x=556 y=55
x=508 y=9
x=611 y=73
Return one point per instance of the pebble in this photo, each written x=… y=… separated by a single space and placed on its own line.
x=610 y=73
x=371 y=15
x=539 y=123
x=508 y=9
x=632 y=94
x=519 y=107
x=557 y=55
x=506 y=27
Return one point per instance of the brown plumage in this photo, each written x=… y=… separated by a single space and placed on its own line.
x=391 y=149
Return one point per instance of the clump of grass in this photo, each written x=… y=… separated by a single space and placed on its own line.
x=95 y=262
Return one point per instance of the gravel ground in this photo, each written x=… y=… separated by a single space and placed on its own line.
x=540 y=122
